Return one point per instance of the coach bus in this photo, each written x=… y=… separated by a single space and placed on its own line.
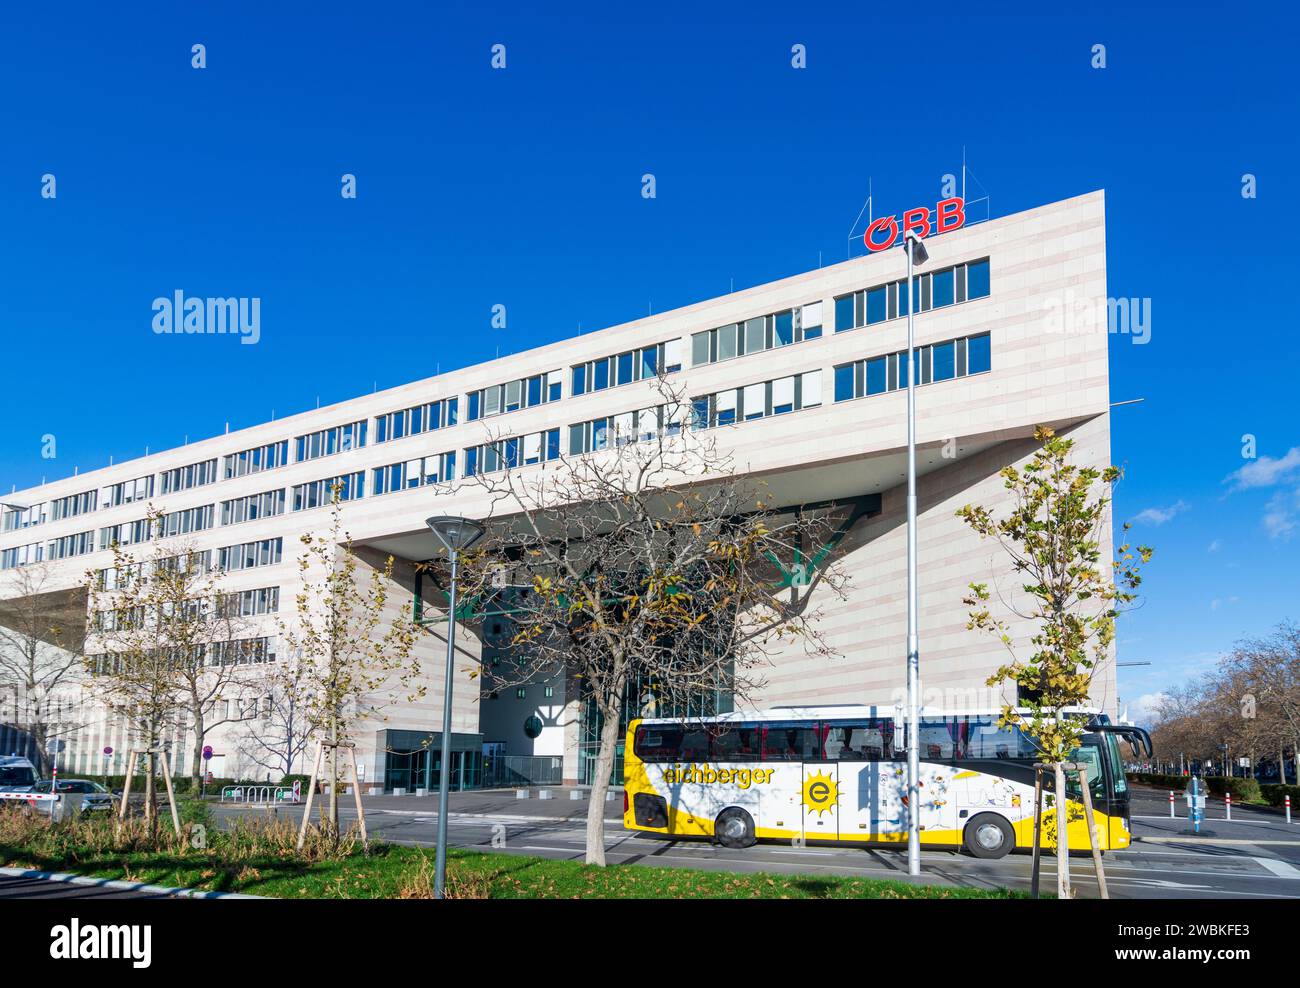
x=839 y=773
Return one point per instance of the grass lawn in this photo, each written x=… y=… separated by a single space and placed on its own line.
x=395 y=871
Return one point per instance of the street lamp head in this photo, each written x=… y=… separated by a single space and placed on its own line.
x=456 y=534
x=917 y=248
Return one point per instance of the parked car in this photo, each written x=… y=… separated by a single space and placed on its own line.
x=93 y=795
x=17 y=774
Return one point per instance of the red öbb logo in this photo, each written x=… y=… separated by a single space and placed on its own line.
x=949 y=214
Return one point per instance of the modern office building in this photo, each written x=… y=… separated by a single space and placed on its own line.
x=801 y=381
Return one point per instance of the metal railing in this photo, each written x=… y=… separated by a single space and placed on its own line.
x=522 y=770
x=259 y=794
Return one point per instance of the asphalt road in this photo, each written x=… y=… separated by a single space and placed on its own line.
x=1256 y=855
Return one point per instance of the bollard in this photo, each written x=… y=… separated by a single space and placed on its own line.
x=543 y=794
x=521 y=794
x=374 y=791
x=421 y=792
x=399 y=791
x=1227 y=804
x=575 y=794
x=1171 y=804
x=1288 y=809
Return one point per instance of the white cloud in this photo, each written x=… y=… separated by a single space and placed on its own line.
x=1280 y=515
x=1158 y=516
x=1213 y=546
x=1265 y=471
x=1142 y=711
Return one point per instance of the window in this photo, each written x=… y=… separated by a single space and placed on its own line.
x=938 y=362
x=507 y=454
x=755 y=401
x=930 y=289
x=22 y=555
x=419 y=472
x=256 y=460
x=248 y=555
x=624 y=368
x=860 y=741
x=242 y=651
x=187 y=521
x=28 y=517
x=757 y=334
x=327 y=442
x=194 y=475
x=252 y=507
x=521 y=693
x=71 y=506
x=514 y=395
x=350 y=486
x=533 y=726
x=70 y=545
x=127 y=533
x=128 y=492
x=251 y=603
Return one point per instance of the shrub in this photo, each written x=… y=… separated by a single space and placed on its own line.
x=1276 y=794
x=1243 y=790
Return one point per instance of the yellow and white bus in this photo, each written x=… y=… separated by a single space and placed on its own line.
x=839 y=773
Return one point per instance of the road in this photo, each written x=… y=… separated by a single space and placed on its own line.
x=1256 y=855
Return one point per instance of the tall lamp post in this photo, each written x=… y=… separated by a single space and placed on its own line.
x=456 y=535
x=917 y=253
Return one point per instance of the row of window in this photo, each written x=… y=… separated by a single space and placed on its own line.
x=183 y=478
x=419 y=472
x=642 y=425
x=641 y=364
x=71 y=545
x=321 y=492
x=247 y=555
x=257 y=459
x=327 y=442
x=252 y=507
x=756 y=401
x=414 y=421
x=758 y=334
x=506 y=454
x=242 y=651
x=869 y=739
x=931 y=290
x=937 y=362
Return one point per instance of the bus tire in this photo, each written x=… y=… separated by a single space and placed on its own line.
x=734 y=828
x=988 y=835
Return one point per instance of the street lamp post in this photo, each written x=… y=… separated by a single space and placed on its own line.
x=456 y=535
x=915 y=252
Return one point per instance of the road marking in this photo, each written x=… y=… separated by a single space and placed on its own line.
x=1216 y=840
x=1279 y=868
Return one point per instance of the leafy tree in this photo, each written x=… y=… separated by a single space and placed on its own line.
x=1054 y=535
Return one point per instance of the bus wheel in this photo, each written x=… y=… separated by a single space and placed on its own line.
x=989 y=836
x=734 y=828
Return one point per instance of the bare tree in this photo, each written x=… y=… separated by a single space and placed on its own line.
x=644 y=566
x=275 y=739
x=169 y=643
x=42 y=633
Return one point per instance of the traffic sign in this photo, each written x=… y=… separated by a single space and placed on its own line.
x=108 y=749
x=207 y=752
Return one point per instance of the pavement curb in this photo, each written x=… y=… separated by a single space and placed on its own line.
x=71 y=879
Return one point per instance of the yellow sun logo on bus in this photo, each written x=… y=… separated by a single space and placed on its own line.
x=820 y=793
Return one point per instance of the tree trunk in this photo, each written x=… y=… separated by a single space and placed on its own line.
x=334 y=785
x=1062 y=835
x=196 y=763
x=609 y=735
x=150 y=796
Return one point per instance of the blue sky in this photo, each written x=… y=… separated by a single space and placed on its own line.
x=521 y=187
